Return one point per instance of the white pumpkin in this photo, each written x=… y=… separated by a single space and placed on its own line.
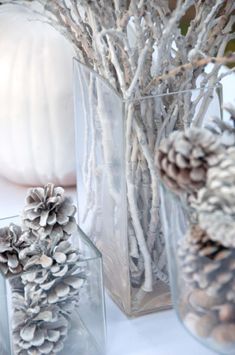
x=36 y=100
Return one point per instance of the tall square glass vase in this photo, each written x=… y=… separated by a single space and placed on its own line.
x=67 y=327
x=117 y=181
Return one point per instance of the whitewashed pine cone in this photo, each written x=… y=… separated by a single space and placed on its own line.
x=215 y=203
x=205 y=264
x=37 y=330
x=9 y=242
x=49 y=213
x=184 y=158
x=54 y=278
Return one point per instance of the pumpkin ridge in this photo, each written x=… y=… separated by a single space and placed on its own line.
x=50 y=129
x=13 y=117
x=29 y=126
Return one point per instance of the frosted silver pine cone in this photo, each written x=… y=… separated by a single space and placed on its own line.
x=54 y=278
x=9 y=244
x=205 y=264
x=184 y=158
x=207 y=302
x=48 y=213
x=36 y=329
x=215 y=203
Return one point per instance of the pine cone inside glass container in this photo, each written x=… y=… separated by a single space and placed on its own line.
x=184 y=158
x=37 y=329
x=54 y=278
x=215 y=202
x=205 y=264
x=49 y=213
x=9 y=248
x=207 y=287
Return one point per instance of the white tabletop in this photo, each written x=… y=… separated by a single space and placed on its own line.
x=155 y=334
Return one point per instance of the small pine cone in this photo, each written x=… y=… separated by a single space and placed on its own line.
x=205 y=264
x=55 y=278
x=215 y=203
x=49 y=213
x=184 y=158
x=37 y=329
x=9 y=242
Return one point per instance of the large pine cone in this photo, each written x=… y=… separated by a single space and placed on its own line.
x=215 y=203
x=9 y=244
x=49 y=213
x=55 y=278
x=37 y=329
x=205 y=264
x=184 y=158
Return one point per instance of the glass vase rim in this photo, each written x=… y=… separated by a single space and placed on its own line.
x=76 y=61
x=86 y=240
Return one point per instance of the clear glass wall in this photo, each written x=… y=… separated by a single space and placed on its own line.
x=117 y=182
x=202 y=277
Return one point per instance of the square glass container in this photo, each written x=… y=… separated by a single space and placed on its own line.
x=117 y=182
x=85 y=331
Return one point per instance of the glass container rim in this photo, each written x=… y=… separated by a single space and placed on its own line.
x=147 y=97
x=84 y=237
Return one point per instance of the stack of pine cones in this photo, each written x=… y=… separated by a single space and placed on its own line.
x=48 y=275
x=197 y=165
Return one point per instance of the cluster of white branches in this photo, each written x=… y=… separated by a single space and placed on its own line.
x=138 y=47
